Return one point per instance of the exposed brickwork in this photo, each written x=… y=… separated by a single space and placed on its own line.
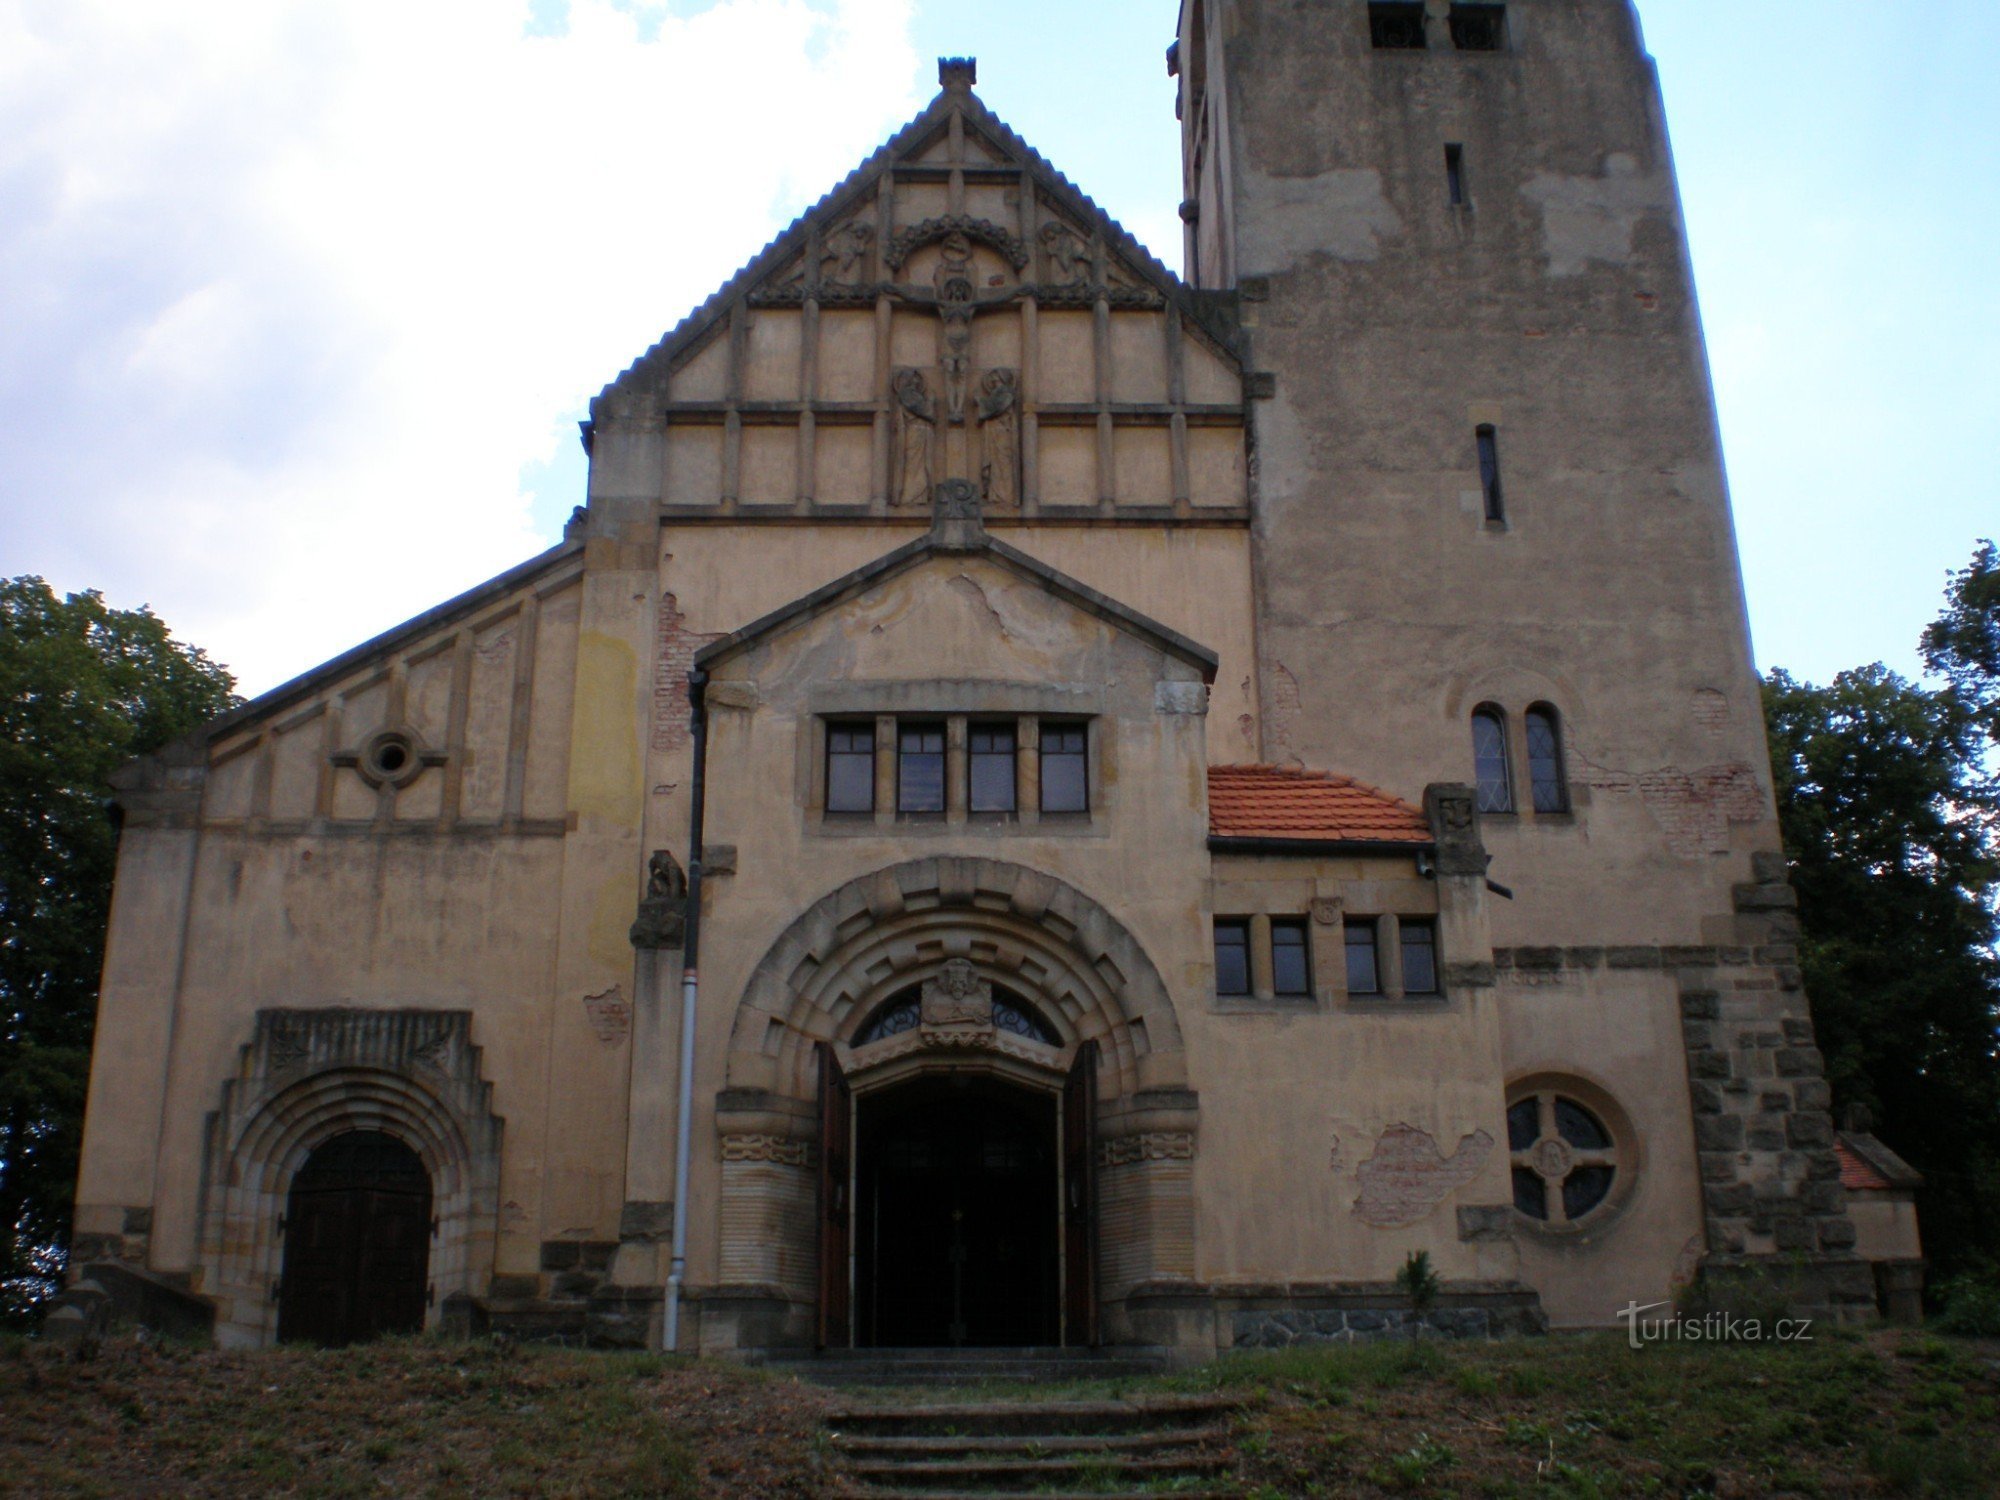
x=1407 y=1176
x=671 y=664
x=1694 y=808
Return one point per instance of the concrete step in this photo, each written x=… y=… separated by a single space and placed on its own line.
x=1006 y=1475
x=1029 y=1419
x=969 y=1366
x=1050 y=1445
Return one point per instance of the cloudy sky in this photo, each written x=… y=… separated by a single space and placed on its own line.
x=301 y=300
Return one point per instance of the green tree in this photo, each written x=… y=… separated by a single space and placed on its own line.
x=1885 y=795
x=82 y=688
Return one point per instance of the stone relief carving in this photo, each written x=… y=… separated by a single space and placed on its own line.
x=958 y=997
x=1000 y=438
x=930 y=231
x=844 y=253
x=662 y=918
x=1150 y=1145
x=916 y=437
x=783 y=1151
x=1069 y=255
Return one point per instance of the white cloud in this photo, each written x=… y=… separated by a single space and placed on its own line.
x=294 y=290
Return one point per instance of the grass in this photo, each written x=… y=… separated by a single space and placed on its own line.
x=1569 y=1418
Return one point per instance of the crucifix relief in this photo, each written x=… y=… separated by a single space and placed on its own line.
x=956 y=420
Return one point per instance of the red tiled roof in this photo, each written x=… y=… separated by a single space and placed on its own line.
x=1854 y=1172
x=1280 y=802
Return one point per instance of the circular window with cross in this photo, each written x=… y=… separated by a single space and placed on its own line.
x=1573 y=1151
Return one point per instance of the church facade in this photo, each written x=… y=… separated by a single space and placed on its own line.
x=1041 y=801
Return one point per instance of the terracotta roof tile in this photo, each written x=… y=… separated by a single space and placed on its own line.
x=1282 y=802
x=1856 y=1173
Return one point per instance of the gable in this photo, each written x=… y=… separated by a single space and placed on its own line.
x=476 y=691
x=955 y=309
x=957 y=605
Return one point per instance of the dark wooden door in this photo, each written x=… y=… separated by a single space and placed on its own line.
x=836 y=1114
x=1080 y=1198
x=357 y=1242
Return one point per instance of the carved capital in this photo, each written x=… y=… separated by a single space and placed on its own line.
x=1454 y=823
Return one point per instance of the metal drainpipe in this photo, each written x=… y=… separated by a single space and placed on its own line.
x=690 y=993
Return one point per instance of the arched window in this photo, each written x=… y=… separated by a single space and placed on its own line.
x=1492 y=775
x=1548 y=789
x=904 y=1012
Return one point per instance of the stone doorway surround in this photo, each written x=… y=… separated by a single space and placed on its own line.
x=310 y=1075
x=906 y=925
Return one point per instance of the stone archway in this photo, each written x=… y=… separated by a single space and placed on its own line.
x=880 y=934
x=308 y=1076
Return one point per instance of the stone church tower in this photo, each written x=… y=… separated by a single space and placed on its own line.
x=1040 y=801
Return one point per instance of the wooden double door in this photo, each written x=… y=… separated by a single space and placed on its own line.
x=357 y=1242
x=971 y=1216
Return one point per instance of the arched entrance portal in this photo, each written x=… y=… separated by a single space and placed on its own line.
x=958 y=1219
x=357 y=1242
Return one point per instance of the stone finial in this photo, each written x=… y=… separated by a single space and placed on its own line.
x=958 y=74
x=956 y=524
x=1455 y=826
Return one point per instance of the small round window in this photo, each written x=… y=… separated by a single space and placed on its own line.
x=1570 y=1163
x=390 y=757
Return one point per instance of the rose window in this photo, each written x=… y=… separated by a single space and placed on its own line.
x=1565 y=1159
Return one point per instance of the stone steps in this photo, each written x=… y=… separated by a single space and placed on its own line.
x=951 y=1367
x=1108 y=1450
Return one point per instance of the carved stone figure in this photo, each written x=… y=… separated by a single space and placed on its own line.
x=1000 y=438
x=843 y=251
x=916 y=433
x=1069 y=256
x=662 y=918
x=957 y=996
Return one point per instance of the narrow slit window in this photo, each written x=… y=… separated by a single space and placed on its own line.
x=1065 y=768
x=1232 y=956
x=1291 y=958
x=1546 y=782
x=1492 y=776
x=1489 y=471
x=1396 y=26
x=850 y=768
x=1420 y=971
x=920 y=768
x=990 y=768
x=1479 y=28
x=1364 y=974
x=1454 y=174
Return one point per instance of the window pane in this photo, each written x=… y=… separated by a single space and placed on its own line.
x=850 y=768
x=1489 y=760
x=1478 y=28
x=1420 y=975
x=1291 y=964
x=1529 y=1196
x=1232 y=958
x=1580 y=1127
x=1545 y=777
x=1489 y=472
x=1396 y=25
x=1584 y=1189
x=990 y=749
x=920 y=769
x=1065 y=769
x=1524 y=1124
x=1361 y=970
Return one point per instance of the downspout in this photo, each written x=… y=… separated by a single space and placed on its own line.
x=690 y=994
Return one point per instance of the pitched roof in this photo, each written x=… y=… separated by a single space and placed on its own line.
x=1868 y=1165
x=1292 y=805
x=851 y=189
x=911 y=553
